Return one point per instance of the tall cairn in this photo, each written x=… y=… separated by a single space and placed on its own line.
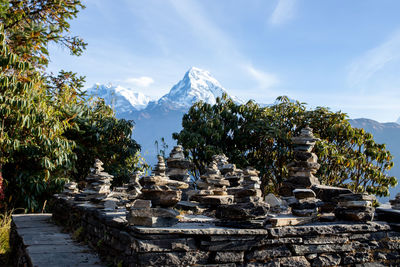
x=178 y=165
x=212 y=188
x=158 y=195
x=305 y=165
x=98 y=184
x=249 y=211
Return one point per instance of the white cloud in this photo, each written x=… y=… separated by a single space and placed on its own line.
x=362 y=70
x=265 y=80
x=283 y=12
x=143 y=81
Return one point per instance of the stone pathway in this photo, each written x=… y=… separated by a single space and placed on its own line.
x=47 y=246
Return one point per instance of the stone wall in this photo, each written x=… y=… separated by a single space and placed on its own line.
x=186 y=244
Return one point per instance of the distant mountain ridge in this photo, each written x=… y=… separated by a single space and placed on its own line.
x=124 y=100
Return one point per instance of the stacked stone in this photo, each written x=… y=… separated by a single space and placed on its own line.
x=395 y=203
x=160 y=167
x=159 y=194
x=98 y=184
x=70 y=189
x=141 y=213
x=134 y=187
x=302 y=170
x=249 y=210
x=355 y=207
x=177 y=165
x=306 y=204
x=212 y=188
x=228 y=170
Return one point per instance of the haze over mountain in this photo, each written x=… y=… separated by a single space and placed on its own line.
x=160 y=118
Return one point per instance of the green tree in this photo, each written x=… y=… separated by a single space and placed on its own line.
x=251 y=135
x=33 y=151
x=49 y=131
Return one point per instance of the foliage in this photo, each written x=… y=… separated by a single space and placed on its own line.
x=32 y=24
x=164 y=146
x=49 y=131
x=251 y=135
x=5 y=229
x=33 y=150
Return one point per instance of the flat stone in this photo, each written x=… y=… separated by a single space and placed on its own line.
x=303 y=193
x=153 y=212
x=162 y=198
x=152 y=221
x=242 y=211
x=164 y=245
x=289 y=220
x=229 y=256
x=298 y=261
x=269 y=253
x=327 y=193
x=352 y=204
x=327 y=260
x=354 y=197
x=141 y=204
x=272 y=200
x=215 y=200
x=355 y=214
x=174 y=258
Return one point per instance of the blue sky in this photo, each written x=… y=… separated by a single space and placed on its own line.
x=341 y=54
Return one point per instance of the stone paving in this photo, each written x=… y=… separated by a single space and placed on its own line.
x=46 y=245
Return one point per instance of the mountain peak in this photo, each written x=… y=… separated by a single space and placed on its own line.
x=196 y=85
x=125 y=100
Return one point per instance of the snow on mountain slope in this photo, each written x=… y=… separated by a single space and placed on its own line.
x=398 y=120
x=123 y=100
x=196 y=85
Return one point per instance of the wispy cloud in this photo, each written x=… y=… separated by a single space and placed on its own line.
x=265 y=80
x=221 y=43
x=365 y=67
x=143 y=81
x=283 y=12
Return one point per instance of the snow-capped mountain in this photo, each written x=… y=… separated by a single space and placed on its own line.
x=124 y=100
x=398 y=120
x=196 y=85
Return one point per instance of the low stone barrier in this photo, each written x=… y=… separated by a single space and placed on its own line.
x=187 y=244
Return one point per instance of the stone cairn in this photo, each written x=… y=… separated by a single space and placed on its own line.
x=355 y=207
x=249 y=209
x=229 y=171
x=70 y=189
x=159 y=195
x=395 y=203
x=212 y=188
x=98 y=184
x=134 y=188
x=302 y=170
x=177 y=165
x=306 y=204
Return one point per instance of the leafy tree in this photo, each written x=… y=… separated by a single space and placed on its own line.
x=49 y=131
x=33 y=151
x=31 y=25
x=251 y=135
